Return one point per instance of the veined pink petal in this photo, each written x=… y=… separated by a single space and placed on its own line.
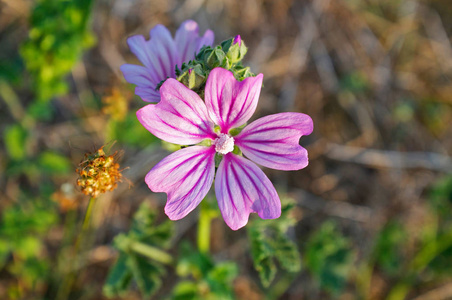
x=186 y=176
x=180 y=117
x=231 y=103
x=273 y=141
x=242 y=188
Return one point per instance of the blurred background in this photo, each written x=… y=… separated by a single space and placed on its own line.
x=371 y=214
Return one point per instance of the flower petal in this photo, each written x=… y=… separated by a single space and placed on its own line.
x=188 y=41
x=273 y=141
x=163 y=52
x=148 y=94
x=242 y=188
x=138 y=46
x=186 y=176
x=180 y=117
x=141 y=76
x=231 y=103
x=159 y=55
x=206 y=40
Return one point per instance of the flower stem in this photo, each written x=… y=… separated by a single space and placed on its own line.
x=152 y=253
x=205 y=219
x=69 y=280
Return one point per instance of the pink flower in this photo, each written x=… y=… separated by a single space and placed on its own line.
x=161 y=54
x=241 y=187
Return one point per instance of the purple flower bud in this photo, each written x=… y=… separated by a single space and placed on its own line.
x=237 y=40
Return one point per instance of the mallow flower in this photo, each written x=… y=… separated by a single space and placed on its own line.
x=241 y=187
x=160 y=55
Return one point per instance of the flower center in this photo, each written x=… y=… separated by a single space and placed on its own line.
x=224 y=143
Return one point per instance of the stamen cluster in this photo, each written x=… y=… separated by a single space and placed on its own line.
x=99 y=173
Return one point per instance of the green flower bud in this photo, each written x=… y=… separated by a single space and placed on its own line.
x=216 y=58
x=235 y=49
x=193 y=78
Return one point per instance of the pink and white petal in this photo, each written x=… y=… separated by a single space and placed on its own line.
x=163 y=53
x=231 y=103
x=186 y=176
x=273 y=141
x=242 y=188
x=180 y=117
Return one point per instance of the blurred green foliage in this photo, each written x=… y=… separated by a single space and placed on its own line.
x=23 y=228
x=15 y=137
x=388 y=249
x=140 y=258
x=329 y=257
x=210 y=280
x=59 y=33
x=121 y=131
x=270 y=244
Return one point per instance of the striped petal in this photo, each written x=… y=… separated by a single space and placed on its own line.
x=180 y=117
x=186 y=176
x=141 y=76
x=189 y=42
x=242 y=188
x=231 y=103
x=273 y=141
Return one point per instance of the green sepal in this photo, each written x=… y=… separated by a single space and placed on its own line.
x=237 y=150
x=205 y=142
x=218 y=158
x=236 y=131
x=193 y=78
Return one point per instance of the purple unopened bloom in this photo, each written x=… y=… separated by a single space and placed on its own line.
x=241 y=187
x=161 y=54
x=238 y=40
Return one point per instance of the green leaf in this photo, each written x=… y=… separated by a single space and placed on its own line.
x=54 y=163
x=54 y=46
x=193 y=263
x=27 y=246
x=118 y=279
x=441 y=197
x=185 y=290
x=4 y=251
x=146 y=274
x=15 y=138
x=269 y=243
x=211 y=280
x=133 y=263
x=42 y=111
x=262 y=254
x=329 y=258
x=388 y=249
x=287 y=253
